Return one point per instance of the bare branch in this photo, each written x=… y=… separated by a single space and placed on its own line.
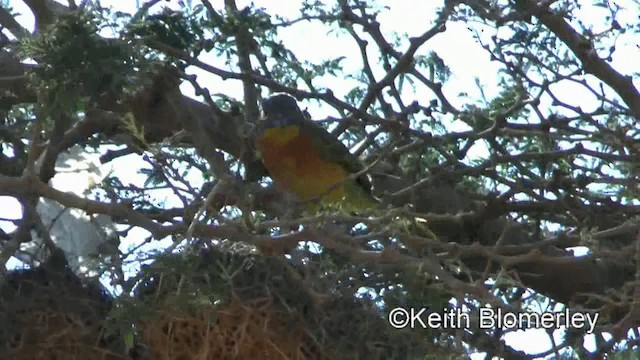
x=8 y=21
x=584 y=50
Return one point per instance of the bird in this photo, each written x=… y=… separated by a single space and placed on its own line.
x=304 y=159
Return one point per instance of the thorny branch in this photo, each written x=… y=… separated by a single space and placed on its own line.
x=542 y=166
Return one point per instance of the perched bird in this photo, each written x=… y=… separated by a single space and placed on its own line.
x=304 y=159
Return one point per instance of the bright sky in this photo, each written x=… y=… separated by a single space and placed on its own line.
x=310 y=41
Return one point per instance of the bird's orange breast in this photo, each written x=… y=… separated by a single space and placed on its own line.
x=297 y=166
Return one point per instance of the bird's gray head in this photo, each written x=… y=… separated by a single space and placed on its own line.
x=281 y=109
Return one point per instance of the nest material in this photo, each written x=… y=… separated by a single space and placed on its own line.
x=49 y=313
x=238 y=306
x=233 y=331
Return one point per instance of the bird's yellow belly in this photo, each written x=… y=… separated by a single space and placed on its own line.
x=296 y=167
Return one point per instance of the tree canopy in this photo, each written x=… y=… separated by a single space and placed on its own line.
x=526 y=189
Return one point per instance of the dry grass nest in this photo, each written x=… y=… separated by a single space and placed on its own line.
x=217 y=303
x=48 y=312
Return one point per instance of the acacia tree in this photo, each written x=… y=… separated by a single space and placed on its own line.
x=501 y=227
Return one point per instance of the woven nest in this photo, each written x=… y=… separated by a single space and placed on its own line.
x=233 y=331
x=49 y=313
x=237 y=306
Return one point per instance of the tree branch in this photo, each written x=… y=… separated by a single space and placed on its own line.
x=8 y=21
x=583 y=49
